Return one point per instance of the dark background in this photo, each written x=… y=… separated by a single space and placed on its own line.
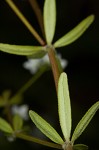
x=82 y=69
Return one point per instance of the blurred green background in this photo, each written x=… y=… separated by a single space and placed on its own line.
x=82 y=69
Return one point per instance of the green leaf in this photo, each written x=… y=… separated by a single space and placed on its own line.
x=45 y=127
x=37 y=55
x=5 y=126
x=49 y=19
x=64 y=106
x=17 y=122
x=75 y=33
x=80 y=147
x=23 y=50
x=85 y=121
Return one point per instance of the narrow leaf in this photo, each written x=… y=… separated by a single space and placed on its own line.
x=80 y=147
x=49 y=19
x=37 y=55
x=17 y=122
x=75 y=33
x=5 y=126
x=22 y=50
x=45 y=127
x=64 y=106
x=85 y=121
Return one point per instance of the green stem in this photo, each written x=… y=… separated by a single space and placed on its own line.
x=32 y=80
x=51 y=53
x=36 y=140
x=38 y=14
x=25 y=21
x=67 y=146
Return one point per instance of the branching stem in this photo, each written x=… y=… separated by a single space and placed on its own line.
x=52 y=58
x=51 y=53
x=38 y=13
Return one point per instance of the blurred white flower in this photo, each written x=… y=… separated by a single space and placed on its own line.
x=34 y=64
x=63 y=61
x=11 y=138
x=21 y=110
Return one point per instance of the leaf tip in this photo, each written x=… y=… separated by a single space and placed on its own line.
x=91 y=18
x=63 y=76
x=30 y=112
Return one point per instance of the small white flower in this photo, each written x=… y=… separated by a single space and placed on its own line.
x=34 y=64
x=20 y=110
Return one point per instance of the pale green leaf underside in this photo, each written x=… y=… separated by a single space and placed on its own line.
x=5 y=126
x=49 y=19
x=85 y=121
x=80 y=147
x=75 y=33
x=17 y=122
x=37 y=55
x=45 y=127
x=64 y=106
x=22 y=50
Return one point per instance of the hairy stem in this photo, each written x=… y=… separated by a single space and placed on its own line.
x=25 y=21
x=36 y=140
